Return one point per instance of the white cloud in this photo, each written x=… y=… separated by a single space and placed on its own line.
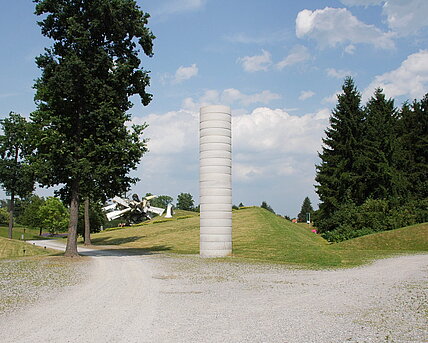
x=230 y=96
x=350 y=49
x=410 y=79
x=256 y=63
x=338 y=73
x=402 y=16
x=332 y=99
x=306 y=95
x=297 y=55
x=333 y=26
x=185 y=73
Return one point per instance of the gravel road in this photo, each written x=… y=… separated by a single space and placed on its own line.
x=165 y=298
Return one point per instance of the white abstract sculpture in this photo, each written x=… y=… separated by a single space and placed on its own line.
x=215 y=185
x=168 y=211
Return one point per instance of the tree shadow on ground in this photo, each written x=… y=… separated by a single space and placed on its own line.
x=115 y=241
x=105 y=251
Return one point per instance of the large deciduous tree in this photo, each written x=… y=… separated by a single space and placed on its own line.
x=82 y=98
x=16 y=175
x=185 y=202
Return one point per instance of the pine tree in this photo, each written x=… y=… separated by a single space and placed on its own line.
x=413 y=138
x=305 y=209
x=338 y=175
x=381 y=178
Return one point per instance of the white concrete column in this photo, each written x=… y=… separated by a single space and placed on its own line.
x=215 y=181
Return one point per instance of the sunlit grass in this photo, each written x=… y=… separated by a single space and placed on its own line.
x=259 y=235
x=10 y=248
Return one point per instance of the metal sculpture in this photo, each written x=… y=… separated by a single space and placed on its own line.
x=132 y=211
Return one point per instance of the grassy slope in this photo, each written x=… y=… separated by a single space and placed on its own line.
x=18 y=230
x=259 y=235
x=12 y=248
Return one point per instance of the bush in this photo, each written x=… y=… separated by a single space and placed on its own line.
x=4 y=216
x=374 y=215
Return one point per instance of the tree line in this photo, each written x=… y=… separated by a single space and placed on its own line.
x=373 y=174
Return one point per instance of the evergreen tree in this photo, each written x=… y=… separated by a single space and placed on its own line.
x=266 y=206
x=16 y=175
x=88 y=74
x=306 y=208
x=381 y=179
x=413 y=131
x=338 y=175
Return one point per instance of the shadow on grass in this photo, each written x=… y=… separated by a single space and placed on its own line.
x=124 y=251
x=115 y=241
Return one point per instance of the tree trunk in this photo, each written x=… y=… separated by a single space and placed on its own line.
x=71 y=249
x=87 y=235
x=11 y=210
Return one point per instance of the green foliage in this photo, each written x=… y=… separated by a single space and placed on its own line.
x=30 y=215
x=305 y=209
x=185 y=202
x=161 y=201
x=374 y=170
x=93 y=67
x=338 y=176
x=53 y=215
x=97 y=217
x=266 y=206
x=4 y=216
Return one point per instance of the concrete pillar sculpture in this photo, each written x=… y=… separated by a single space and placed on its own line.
x=215 y=181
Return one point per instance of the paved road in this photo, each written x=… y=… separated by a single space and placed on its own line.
x=160 y=298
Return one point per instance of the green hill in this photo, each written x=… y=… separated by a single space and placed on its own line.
x=259 y=235
x=13 y=248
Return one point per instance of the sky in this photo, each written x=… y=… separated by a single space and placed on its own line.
x=277 y=63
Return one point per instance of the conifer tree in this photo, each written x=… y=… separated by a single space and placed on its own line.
x=305 y=209
x=338 y=175
x=381 y=178
x=413 y=139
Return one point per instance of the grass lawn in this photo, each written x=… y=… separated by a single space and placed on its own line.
x=18 y=231
x=10 y=248
x=259 y=235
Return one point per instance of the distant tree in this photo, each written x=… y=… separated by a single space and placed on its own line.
x=16 y=174
x=185 y=202
x=241 y=204
x=161 y=201
x=234 y=207
x=30 y=215
x=82 y=98
x=97 y=219
x=305 y=209
x=53 y=216
x=266 y=206
x=4 y=216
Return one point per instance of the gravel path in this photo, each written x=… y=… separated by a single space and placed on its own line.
x=161 y=298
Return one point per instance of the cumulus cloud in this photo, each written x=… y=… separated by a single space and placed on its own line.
x=230 y=96
x=298 y=54
x=185 y=73
x=332 y=99
x=333 y=26
x=409 y=79
x=338 y=73
x=306 y=95
x=256 y=63
x=402 y=16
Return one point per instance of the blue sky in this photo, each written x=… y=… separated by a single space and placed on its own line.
x=277 y=63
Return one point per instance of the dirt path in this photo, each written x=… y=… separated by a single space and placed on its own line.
x=158 y=298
